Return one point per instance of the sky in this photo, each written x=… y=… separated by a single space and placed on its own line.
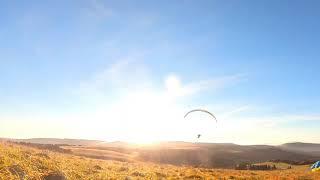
x=130 y=70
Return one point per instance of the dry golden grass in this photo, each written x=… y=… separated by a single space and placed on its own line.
x=18 y=162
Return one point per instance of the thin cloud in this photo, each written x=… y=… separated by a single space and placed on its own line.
x=130 y=73
x=235 y=111
x=100 y=10
x=127 y=73
x=303 y=117
x=274 y=121
x=177 y=88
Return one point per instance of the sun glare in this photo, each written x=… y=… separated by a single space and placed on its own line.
x=144 y=117
x=173 y=85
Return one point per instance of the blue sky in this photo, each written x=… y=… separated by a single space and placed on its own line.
x=87 y=68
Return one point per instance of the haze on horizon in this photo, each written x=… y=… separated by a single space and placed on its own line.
x=129 y=71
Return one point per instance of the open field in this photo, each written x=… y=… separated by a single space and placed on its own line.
x=208 y=155
x=18 y=161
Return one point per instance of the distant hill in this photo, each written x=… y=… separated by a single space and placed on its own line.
x=82 y=142
x=306 y=148
x=218 y=155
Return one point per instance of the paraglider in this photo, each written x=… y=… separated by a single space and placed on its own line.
x=200 y=110
x=316 y=167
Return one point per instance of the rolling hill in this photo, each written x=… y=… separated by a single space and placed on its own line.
x=307 y=148
x=217 y=155
x=82 y=142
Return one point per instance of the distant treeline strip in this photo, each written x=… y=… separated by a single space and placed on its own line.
x=264 y=167
x=51 y=147
x=305 y=162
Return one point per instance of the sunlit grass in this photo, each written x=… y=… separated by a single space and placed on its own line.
x=29 y=163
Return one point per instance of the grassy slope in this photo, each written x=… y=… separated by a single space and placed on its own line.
x=33 y=163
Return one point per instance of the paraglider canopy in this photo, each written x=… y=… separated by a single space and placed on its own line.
x=200 y=110
x=316 y=167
